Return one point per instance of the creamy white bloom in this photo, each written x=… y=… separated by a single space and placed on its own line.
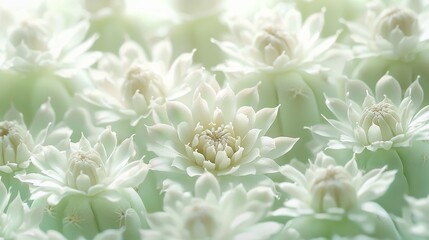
x=15 y=215
x=83 y=169
x=414 y=223
x=326 y=187
x=396 y=31
x=38 y=40
x=209 y=213
x=219 y=132
x=19 y=142
x=127 y=84
x=336 y=198
x=383 y=120
x=276 y=40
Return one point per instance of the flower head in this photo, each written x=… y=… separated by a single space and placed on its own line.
x=328 y=188
x=276 y=40
x=34 y=43
x=383 y=120
x=208 y=213
x=85 y=169
x=127 y=84
x=18 y=143
x=395 y=31
x=220 y=133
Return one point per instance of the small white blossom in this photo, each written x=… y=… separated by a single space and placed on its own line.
x=326 y=187
x=18 y=143
x=208 y=213
x=85 y=170
x=125 y=85
x=395 y=32
x=338 y=199
x=39 y=40
x=376 y=121
x=220 y=132
x=276 y=40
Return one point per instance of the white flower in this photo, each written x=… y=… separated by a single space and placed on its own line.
x=395 y=32
x=18 y=143
x=15 y=216
x=40 y=40
x=220 y=132
x=276 y=40
x=414 y=223
x=208 y=213
x=326 y=187
x=376 y=121
x=85 y=170
x=125 y=85
x=338 y=199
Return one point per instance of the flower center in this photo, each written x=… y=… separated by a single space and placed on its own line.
x=332 y=188
x=384 y=116
x=273 y=38
x=217 y=143
x=85 y=169
x=200 y=222
x=144 y=80
x=31 y=35
x=403 y=19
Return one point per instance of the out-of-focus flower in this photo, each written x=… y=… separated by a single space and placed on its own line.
x=18 y=143
x=414 y=223
x=328 y=194
x=276 y=40
x=34 y=44
x=376 y=121
x=328 y=188
x=125 y=85
x=395 y=32
x=89 y=188
x=220 y=132
x=209 y=213
x=15 y=216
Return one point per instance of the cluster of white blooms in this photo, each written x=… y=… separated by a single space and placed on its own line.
x=214 y=119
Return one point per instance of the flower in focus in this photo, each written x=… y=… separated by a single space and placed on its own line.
x=414 y=223
x=376 y=121
x=209 y=213
x=276 y=40
x=220 y=132
x=83 y=169
x=86 y=190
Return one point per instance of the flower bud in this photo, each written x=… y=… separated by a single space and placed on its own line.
x=396 y=18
